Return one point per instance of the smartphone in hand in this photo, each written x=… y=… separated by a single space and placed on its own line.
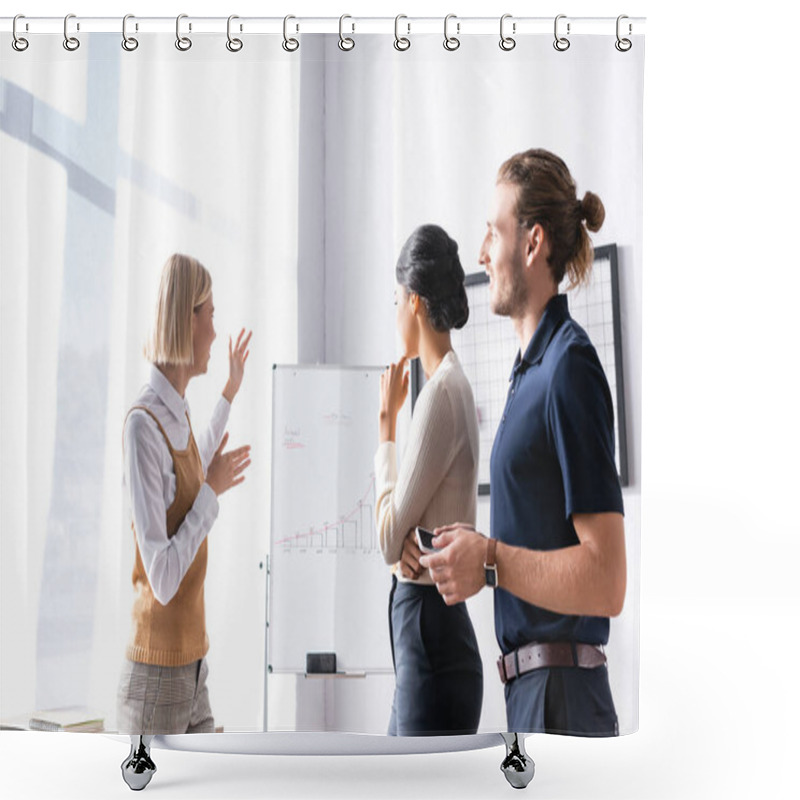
x=425 y=541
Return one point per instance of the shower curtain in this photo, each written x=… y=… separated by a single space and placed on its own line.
x=295 y=176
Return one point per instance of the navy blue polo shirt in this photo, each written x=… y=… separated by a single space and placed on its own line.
x=553 y=456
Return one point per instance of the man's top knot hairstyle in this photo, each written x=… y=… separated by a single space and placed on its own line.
x=546 y=195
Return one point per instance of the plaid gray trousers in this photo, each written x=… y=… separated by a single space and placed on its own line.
x=164 y=700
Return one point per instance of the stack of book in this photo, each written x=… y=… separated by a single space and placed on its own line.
x=75 y=720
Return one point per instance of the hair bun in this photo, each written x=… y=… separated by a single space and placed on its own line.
x=593 y=211
x=429 y=265
x=452 y=312
x=455 y=271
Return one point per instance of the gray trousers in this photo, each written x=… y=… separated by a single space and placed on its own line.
x=164 y=700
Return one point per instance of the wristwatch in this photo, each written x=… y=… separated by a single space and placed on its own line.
x=490 y=566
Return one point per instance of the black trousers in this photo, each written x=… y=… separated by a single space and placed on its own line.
x=437 y=665
x=568 y=700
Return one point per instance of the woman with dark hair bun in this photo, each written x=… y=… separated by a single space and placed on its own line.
x=429 y=266
x=438 y=670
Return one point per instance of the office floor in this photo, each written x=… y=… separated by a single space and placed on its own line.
x=705 y=732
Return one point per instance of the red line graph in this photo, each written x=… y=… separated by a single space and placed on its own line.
x=322 y=529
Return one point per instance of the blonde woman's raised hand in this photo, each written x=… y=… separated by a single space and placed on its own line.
x=225 y=469
x=237 y=357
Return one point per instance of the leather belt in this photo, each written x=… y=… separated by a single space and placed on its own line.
x=537 y=655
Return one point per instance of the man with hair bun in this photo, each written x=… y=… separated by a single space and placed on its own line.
x=556 y=556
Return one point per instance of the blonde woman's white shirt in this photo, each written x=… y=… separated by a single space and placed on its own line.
x=149 y=479
x=436 y=483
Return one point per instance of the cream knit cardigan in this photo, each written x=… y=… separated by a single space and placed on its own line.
x=437 y=480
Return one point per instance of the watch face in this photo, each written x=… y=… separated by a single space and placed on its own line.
x=491 y=576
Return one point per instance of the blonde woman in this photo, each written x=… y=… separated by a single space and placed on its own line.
x=173 y=482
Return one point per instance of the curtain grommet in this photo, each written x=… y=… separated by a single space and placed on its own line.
x=451 y=43
x=233 y=44
x=129 y=43
x=401 y=43
x=561 y=43
x=71 y=43
x=183 y=43
x=346 y=43
x=19 y=43
x=289 y=44
x=507 y=43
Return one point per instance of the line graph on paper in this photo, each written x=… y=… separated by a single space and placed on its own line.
x=353 y=531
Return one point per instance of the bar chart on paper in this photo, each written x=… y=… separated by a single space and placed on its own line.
x=328 y=583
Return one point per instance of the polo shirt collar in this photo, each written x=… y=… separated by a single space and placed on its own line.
x=555 y=312
x=166 y=392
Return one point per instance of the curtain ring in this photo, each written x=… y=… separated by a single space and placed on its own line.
x=451 y=42
x=234 y=45
x=623 y=45
x=401 y=43
x=183 y=43
x=345 y=42
x=561 y=43
x=129 y=43
x=289 y=45
x=507 y=42
x=19 y=43
x=70 y=42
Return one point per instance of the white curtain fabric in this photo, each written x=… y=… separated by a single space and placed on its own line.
x=295 y=178
x=110 y=162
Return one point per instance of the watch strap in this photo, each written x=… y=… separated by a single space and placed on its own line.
x=491 y=553
x=490 y=564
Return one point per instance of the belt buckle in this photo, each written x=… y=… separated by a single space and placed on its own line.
x=501 y=668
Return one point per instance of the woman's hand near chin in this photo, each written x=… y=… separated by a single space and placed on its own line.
x=394 y=390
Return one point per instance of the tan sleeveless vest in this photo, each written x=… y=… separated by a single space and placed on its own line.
x=175 y=634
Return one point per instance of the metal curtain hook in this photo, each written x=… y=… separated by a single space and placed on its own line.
x=289 y=44
x=345 y=42
x=507 y=42
x=70 y=42
x=561 y=43
x=19 y=43
x=182 y=42
x=401 y=42
x=234 y=45
x=451 y=42
x=623 y=45
x=129 y=43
